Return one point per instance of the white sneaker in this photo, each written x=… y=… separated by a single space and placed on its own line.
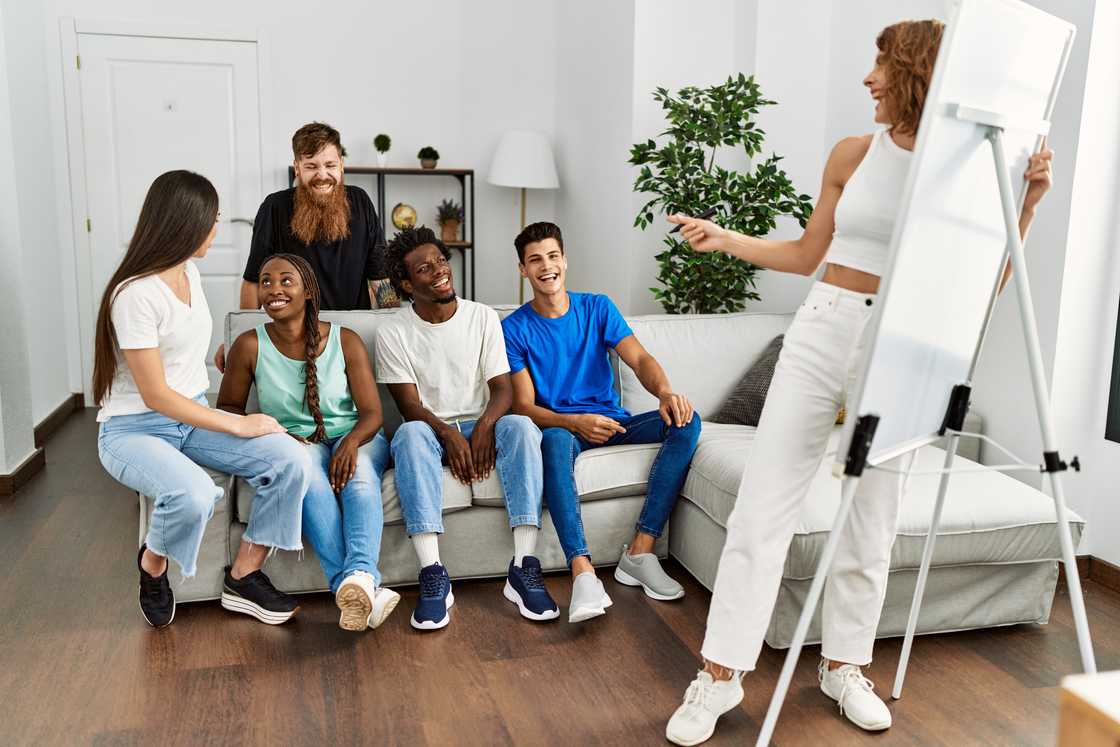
x=589 y=598
x=853 y=692
x=384 y=602
x=704 y=702
x=354 y=599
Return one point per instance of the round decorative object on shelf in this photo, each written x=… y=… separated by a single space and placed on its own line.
x=404 y=216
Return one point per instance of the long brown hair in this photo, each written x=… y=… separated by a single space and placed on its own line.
x=907 y=52
x=178 y=214
x=311 y=339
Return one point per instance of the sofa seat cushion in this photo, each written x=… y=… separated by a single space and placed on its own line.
x=456 y=496
x=606 y=472
x=988 y=516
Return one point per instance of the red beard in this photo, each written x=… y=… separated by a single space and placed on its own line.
x=321 y=217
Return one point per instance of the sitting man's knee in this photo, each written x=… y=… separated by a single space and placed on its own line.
x=518 y=426
x=556 y=438
x=412 y=434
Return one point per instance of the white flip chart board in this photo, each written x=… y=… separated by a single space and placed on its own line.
x=998 y=56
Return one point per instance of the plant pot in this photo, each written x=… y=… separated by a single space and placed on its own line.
x=427 y=163
x=382 y=159
x=449 y=231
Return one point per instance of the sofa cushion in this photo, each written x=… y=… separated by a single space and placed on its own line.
x=704 y=355
x=988 y=516
x=606 y=472
x=456 y=496
x=744 y=406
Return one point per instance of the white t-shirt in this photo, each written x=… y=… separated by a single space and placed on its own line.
x=450 y=363
x=146 y=313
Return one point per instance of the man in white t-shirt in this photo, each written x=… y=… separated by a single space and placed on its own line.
x=444 y=361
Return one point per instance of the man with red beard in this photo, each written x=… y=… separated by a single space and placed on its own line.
x=331 y=225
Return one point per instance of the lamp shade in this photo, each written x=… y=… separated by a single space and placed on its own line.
x=523 y=159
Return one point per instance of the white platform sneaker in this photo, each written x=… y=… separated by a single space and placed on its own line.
x=704 y=702
x=854 y=694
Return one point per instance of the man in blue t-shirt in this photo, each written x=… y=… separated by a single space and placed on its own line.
x=559 y=347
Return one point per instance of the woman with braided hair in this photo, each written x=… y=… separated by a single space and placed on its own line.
x=315 y=379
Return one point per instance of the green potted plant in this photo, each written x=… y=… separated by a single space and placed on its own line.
x=681 y=175
x=449 y=214
x=428 y=157
x=381 y=144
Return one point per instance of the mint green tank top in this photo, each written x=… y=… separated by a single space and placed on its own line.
x=280 y=387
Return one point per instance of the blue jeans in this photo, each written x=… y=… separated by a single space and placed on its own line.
x=345 y=529
x=418 y=464
x=160 y=458
x=560 y=447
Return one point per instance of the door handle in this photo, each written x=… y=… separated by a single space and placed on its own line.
x=247 y=221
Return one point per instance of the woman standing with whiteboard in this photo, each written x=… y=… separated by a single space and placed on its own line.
x=850 y=230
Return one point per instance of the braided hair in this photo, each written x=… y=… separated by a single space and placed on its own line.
x=311 y=339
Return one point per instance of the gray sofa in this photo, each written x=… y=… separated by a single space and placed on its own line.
x=995 y=561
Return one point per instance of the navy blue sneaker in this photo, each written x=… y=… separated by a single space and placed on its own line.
x=525 y=588
x=435 y=599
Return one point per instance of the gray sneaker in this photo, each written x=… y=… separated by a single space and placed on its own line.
x=589 y=598
x=645 y=571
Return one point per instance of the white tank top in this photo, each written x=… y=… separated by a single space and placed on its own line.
x=867 y=208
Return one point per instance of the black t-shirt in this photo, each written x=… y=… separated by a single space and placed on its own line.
x=342 y=267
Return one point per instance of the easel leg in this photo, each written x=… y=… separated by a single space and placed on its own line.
x=923 y=571
x=1041 y=395
x=815 y=589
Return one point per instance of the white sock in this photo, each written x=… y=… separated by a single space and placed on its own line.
x=524 y=542
x=427 y=548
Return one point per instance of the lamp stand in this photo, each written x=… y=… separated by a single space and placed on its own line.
x=520 y=278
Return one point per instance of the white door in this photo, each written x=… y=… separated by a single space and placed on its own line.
x=153 y=104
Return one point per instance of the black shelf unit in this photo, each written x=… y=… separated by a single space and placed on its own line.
x=465 y=177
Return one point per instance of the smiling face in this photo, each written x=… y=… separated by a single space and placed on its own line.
x=320 y=173
x=545 y=266
x=876 y=82
x=280 y=290
x=429 y=275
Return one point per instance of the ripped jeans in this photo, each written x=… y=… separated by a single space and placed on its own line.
x=160 y=458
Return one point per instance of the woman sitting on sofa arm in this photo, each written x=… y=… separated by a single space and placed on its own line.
x=315 y=379
x=150 y=381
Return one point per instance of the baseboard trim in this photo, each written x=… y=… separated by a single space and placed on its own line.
x=54 y=421
x=1090 y=567
x=22 y=474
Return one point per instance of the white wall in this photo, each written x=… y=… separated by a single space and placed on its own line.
x=44 y=292
x=594 y=114
x=1089 y=297
x=15 y=375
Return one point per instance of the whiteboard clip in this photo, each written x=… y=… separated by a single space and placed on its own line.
x=995 y=119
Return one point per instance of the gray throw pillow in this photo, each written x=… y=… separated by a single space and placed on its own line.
x=744 y=406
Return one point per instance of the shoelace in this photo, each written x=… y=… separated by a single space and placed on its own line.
x=264 y=584
x=696 y=694
x=431 y=585
x=532 y=576
x=853 y=680
x=152 y=586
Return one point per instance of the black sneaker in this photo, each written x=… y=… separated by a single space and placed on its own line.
x=256 y=596
x=157 y=603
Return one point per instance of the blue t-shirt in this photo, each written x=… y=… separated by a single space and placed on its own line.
x=568 y=357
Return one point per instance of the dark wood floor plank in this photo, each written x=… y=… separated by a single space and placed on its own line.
x=79 y=665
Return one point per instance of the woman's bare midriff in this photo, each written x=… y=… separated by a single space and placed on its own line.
x=853 y=280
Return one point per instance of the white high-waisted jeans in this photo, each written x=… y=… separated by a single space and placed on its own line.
x=816 y=370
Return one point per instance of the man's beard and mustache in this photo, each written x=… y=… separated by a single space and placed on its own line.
x=321 y=217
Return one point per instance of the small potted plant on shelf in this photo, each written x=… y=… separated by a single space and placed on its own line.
x=428 y=157
x=381 y=144
x=450 y=216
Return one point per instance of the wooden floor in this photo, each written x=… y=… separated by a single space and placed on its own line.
x=78 y=665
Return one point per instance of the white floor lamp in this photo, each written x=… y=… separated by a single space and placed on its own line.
x=523 y=160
